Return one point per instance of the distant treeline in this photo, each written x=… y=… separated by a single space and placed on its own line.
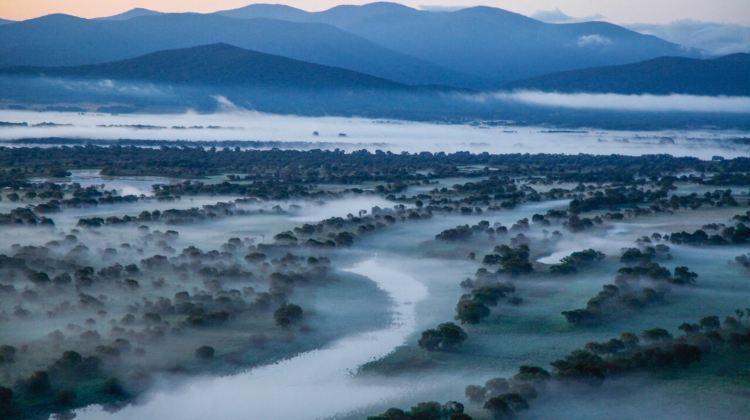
x=166 y=159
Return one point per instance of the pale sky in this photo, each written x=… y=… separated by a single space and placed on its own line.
x=619 y=11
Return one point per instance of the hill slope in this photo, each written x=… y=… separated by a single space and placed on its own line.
x=218 y=64
x=726 y=75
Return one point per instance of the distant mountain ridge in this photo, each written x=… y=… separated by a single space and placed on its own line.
x=494 y=45
x=132 y=13
x=218 y=64
x=728 y=75
x=478 y=47
x=344 y=16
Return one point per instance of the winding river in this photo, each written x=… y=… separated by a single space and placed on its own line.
x=315 y=384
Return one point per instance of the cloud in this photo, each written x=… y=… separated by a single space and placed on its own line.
x=594 y=40
x=611 y=101
x=710 y=37
x=107 y=86
x=558 y=16
x=107 y=83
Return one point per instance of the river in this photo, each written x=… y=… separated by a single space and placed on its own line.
x=315 y=384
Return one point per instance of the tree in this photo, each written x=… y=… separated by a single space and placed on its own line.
x=65 y=397
x=497 y=386
x=430 y=340
x=205 y=352
x=683 y=275
x=656 y=334
x=391 y=414
x=532 y=374
x=629 y=339
x=710 y=322
x=515 y=401
x=514 y=260
x=7 y=354
x=499 y=408
x=634 y=255
x=689 y=328
x=6 y=399
x=469 y=311
x=38 y=383
x=581 y=364
x=445 y=337
x=287 y=314
x=427 y=411
x=476 y=393
x=452 y=409
x=686 y=354
x=112 y=386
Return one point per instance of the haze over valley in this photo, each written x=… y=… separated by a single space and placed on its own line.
x=376 y=211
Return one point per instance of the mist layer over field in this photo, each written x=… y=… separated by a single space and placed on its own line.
x=359 y=133
x=611 y=111
x=655 y=103
x=420 y=277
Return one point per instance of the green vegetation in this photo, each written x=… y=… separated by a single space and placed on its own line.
x=445 y=337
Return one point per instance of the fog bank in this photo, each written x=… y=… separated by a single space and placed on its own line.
x=350 y=134
x=618 y=102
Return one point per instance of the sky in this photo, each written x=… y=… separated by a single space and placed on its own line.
x=619 y=11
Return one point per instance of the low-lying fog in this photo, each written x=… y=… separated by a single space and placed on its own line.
x=423 y=290
x=208 y=234
x=418 y=276
x=651 y=103
x=360 y=133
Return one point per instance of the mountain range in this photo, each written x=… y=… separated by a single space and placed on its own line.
x=492 y=45
x=226 y=65
x=728 y=75
x=378 y=46
x=62 y=40
x=478 y=47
